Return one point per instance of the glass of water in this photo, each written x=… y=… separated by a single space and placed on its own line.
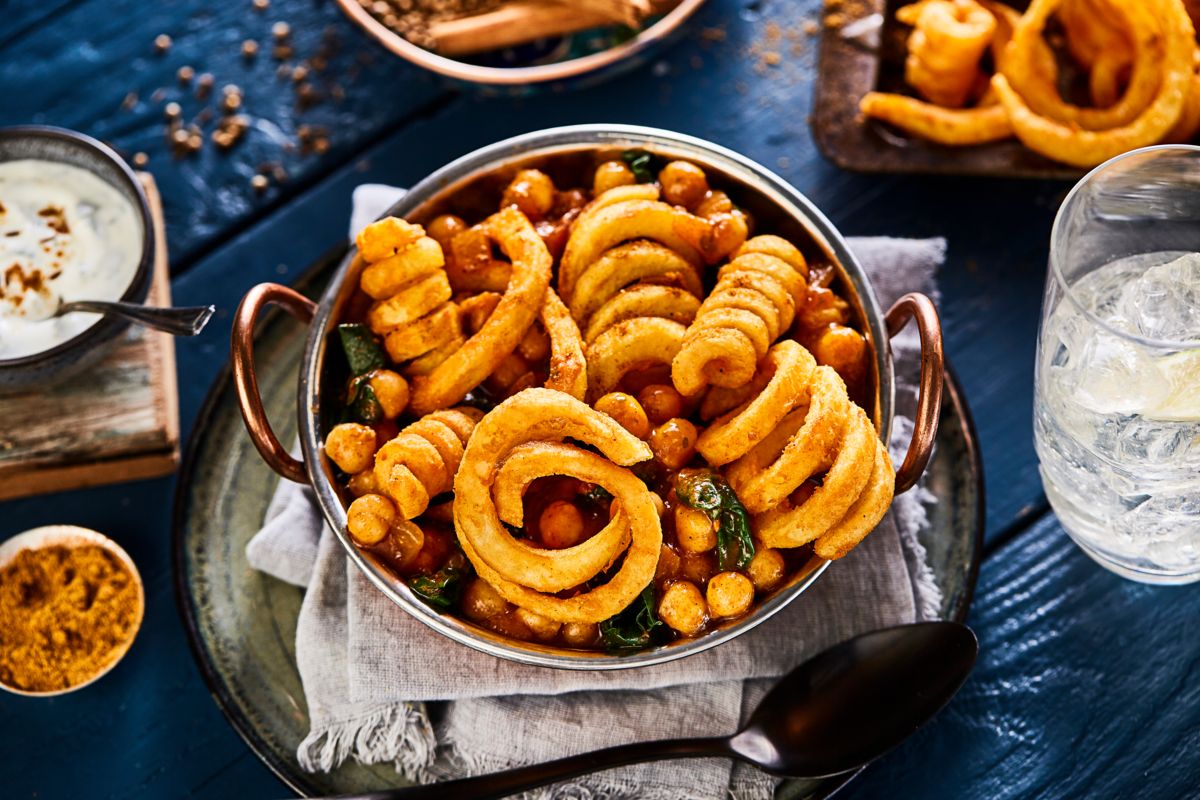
x=1117 y=395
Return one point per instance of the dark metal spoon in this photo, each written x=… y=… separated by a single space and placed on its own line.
x=187 y=321
x=834 y=713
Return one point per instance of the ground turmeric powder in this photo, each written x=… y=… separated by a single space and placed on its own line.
x=66 y=613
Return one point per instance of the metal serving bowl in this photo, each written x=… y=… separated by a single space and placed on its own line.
x=47 y=143
x=775 y=206
x=523 y=80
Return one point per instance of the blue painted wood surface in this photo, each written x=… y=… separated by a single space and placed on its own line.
x=1087 y=685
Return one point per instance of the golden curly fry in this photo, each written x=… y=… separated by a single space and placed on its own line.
x=1040 y=91
x=628 y=345
x=954 y=127
x=511 y=566
x=1094 y=30
x=794 y=451
x=604 y=225
x=754 y=301
x=442 y=325
x=568 y=367
x=948 y=40
x=862 y=517
x=470 y=364
x=627 y=264
x=731 y=436
x=644 y=300
x=855 y=471
x=420 y=461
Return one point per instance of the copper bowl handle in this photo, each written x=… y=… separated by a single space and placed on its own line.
x=241 y=354
x=929 y=397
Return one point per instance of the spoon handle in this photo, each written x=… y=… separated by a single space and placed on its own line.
x=521 y=779
x=187 y=321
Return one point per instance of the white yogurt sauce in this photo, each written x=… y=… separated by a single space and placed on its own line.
x=65 y=234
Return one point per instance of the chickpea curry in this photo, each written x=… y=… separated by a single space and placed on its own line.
x=652 y=408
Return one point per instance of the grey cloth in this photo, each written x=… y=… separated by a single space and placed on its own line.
x=371 y=672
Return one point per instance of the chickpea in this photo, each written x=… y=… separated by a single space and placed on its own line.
x=729 y=232
x=844 y=349
x=611 y=174
x=698 y=567
x=682 y=607
x=444 y=228
x=543 y=628
x=405 y=540
x=766 y=569
x=369 y=518
x=683 y=184
x=661 y=402
x=694 y=530
x=561 y=525
x=729 y=594
x=668 y=564
x=391 y=391
x=580 y=634
x=482 y=602
x=625 y=410
x=674 y=442
x=363 y=483
x=713 y=204
x=531 y=191
x=351 y=446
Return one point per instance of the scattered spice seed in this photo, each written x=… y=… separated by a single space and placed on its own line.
x=204 y=85
x=162 y=43
x=299 y=73
x=281 y=30
x=184 y=75
x=140 y=160
x=130 y=101
x=261 y=5
x=259 y=183
x=249 y=49
x=282 y=52
x=172 y=110
x=158 y=96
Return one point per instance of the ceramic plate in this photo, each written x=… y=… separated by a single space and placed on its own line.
x=242 y=624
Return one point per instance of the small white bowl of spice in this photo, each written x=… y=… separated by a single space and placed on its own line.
x=71 y=603
x=74 y=225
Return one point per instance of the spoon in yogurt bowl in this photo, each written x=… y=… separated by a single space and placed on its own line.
x=185 y=321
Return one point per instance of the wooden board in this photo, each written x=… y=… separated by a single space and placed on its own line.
x=849 y=67
x=118 y=421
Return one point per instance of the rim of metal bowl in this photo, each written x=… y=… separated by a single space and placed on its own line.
x=517 y=76
x=548 y=142
x=139 y=284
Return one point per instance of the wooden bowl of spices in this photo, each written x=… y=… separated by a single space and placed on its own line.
x=71 y=603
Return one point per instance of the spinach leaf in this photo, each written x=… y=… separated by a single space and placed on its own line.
x=708 y=492
x=597 y=495
x=645 y=166
x=361 y=403
x=441 y=589
x=633 y=628
x=363 y=352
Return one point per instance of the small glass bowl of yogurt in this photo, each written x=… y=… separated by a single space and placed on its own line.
x=74 y=225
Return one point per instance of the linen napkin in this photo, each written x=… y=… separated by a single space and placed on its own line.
x=381 y=687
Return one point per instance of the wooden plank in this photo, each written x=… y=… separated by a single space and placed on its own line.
x=1088 y=685
x=124 y=412
x=77 y=69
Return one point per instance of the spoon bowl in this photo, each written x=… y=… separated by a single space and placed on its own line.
x=852 y=703
x=836 y=712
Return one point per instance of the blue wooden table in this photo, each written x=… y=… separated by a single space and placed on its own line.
x=1087 y=685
